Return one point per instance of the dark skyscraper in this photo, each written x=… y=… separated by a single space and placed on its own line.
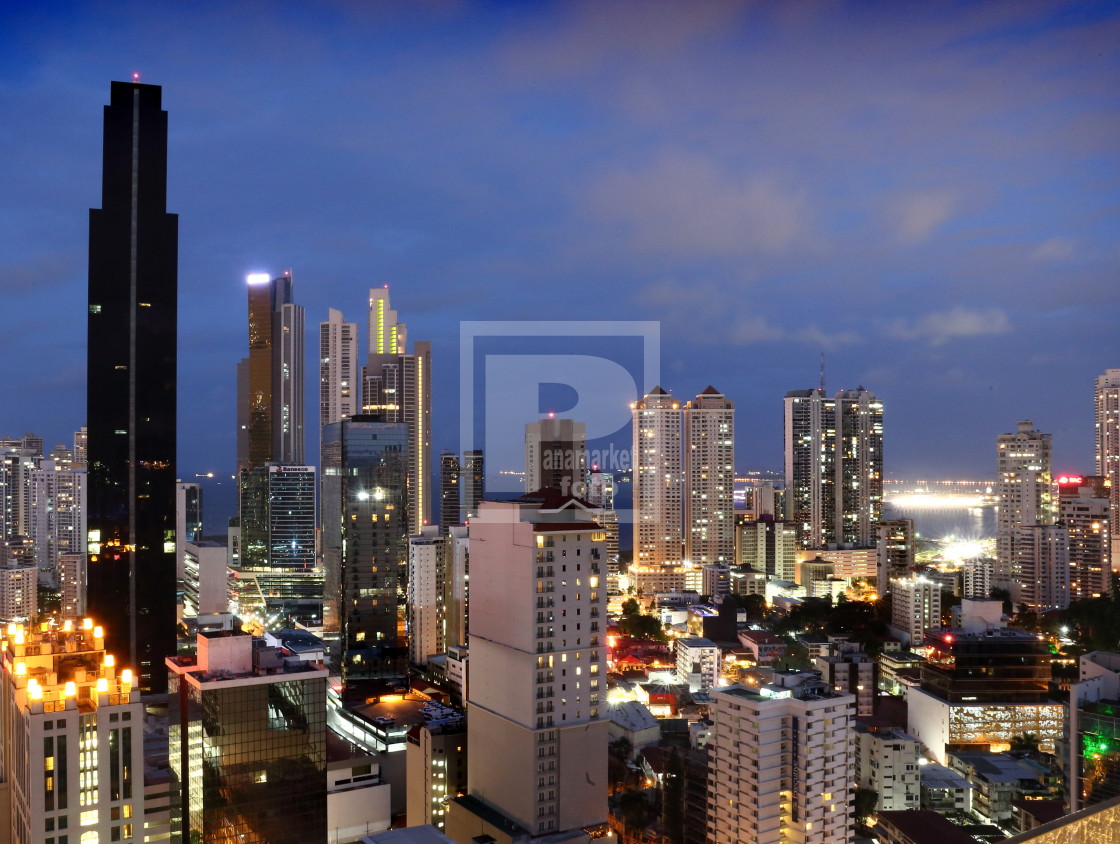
x=133 y=298
x=449 y=473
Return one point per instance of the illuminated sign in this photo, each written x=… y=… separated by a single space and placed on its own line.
x=1070 y=480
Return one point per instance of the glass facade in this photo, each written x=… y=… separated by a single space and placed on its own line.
x=366 y=524
x=251 y=760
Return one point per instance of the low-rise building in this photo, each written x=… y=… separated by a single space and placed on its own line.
x=943 y=790
x=698 y=663
x=887 y=763
x=998 y=779
x=763 y=645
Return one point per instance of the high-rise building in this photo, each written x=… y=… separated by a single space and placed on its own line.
x=1041 y=567
x=449 y=474
x=247 y=742
x=834 y=466
x=474 y=482
x=896 y=551
x=887 y=763
x=188 y=519
x=768 y=546
x=270 y=381
x=436 y=763
x=81 y=446
x=19 y=592
x=397 y=387
x=708 y=438
x=556 y=456
x=600 y=492
x=429 y=579
x=915 y=607
x=537 y=743
x=1023 y=464
x=365 y=542
x=1108 y=446
x=658 y=482
x=130 y=386
x=458 y=589
x=338 y=369
x=1083 y=509
x=58 y=516
x=72 y=750
x=277 y=518
x=781 y=763
x=73 y=575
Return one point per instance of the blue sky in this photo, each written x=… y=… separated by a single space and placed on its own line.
x=926 y=192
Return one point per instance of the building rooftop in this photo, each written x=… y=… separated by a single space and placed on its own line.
x=923 y=826
x=938 y=776
x=423 y=834
x=631 y=715
x=1000 y=767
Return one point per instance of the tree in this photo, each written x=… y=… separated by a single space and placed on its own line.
x=631 y=607
x=866 y=799
x=1025 y=741
x=641 y=627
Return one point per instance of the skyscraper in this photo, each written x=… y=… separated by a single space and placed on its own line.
x=338 y=369
x=1023 y=463
x=709 y=477
x=657 y=479
x=834 y=465
x=556 y=456
x=449 y=474
x=131 y=397
x=1108 y=446
x=474 y=481
x=1083 y=507
x=536 y=739
x=397 y=387
x=270 y=385
x=365 y=541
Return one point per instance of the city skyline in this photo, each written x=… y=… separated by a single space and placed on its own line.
x=924 y=229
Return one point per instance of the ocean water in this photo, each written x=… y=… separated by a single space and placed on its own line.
x=941 y=522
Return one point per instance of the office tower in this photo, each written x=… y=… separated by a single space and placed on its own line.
x=915 y=608
x=709 y=476
x=536 y=742
x=81 y=440
x=387 y=336
x=449 y=473
x=1108 y=446
x=658 y=486
x=19 y=591
x=130 y=386
x=365 y=541
x=768 y=546
x=834 y=465
x=1092 y=767
x=436 y=766
x=556 y=456
x=896 y=551
x=248 y=742
x=887 y=763
x=1041 y=567
x=982 y=688
x=781 y=763
x=73 y=575
x=429 y=579
x=474 y=482
x=58 y=516
x=270 y=394
x=277 y=518
x=1023 y=462
x=338 y=369
x=1083 y=509
x=188 y=519
x=397 y=387
x=73 y=742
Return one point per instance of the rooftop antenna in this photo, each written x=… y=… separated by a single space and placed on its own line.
x=822 y=373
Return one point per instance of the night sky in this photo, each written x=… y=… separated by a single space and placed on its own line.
x=926 y=192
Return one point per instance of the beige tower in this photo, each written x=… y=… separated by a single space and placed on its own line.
x=709 y=476
x=1025 y=497
x=537 y=742
x=658 y=483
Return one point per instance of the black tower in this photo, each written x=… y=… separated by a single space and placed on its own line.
x=131 y=357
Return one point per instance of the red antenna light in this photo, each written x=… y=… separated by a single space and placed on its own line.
x=135 y=77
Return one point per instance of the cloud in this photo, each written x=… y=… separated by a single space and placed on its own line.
x=1054 y=249
x=686 y=204
x=918 y=215
x=942 y=326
